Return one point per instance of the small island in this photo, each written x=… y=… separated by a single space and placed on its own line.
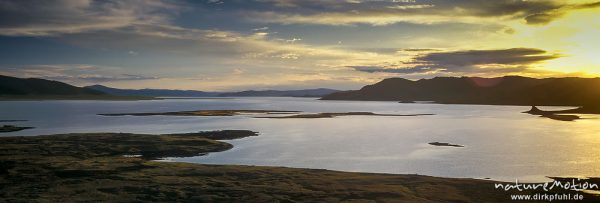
x=204 y=113
x=264 y=112
x=2 y=121
x=444 y=144
x=12 y=128
x=332 y=115
x=556 y=115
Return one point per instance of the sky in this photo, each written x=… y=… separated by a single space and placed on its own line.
x=225 y=45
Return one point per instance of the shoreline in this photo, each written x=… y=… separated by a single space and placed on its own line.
x=94 y=167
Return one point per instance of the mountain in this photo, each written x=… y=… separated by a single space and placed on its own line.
x=281 y=93
x=153 y=92
x=193 y=93
x=508 y=90
x=19 y=87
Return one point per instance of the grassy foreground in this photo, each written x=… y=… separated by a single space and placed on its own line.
x=94 y=167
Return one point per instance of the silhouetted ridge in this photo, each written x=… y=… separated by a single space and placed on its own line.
x=153 y=92
x=508 y=90
x=11 y=86
x=319 y=92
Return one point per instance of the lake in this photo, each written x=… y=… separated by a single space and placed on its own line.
x=500 y=142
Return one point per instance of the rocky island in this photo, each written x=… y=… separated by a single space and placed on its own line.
x=556 y=115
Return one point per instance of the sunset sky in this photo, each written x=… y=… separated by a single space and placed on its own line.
x=221 y=45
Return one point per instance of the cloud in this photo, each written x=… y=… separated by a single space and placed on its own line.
x=519 y=56
x=384 y=12
x=153 y=43
x=467 y=61
x=215 y=2
x=383 y=69
x=545 y=17
x=74 y=73
x=89 y=78
x=54 y=17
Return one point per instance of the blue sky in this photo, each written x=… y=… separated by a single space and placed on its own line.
x=293 y=44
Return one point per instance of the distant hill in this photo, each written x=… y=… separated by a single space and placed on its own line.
x=508 y=90
x=153 y=92
x=193 y=93
x=281 y=93
x=33 y=88
x=13 y=87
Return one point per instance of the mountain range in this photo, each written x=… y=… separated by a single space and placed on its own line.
x=508 y=90
x=193 y=93
x=152 y=92
x=319 y=92
x=12 y=87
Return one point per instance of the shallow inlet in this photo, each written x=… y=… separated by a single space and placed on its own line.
x=500 y=142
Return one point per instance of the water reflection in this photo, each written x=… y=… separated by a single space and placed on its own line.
x=500 y=142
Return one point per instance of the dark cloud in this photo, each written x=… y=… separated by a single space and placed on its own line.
x=419 y=50
x=547 y=16
x=99 y=78
x=52 y=17
x=512 y=56
x=517 y=8
x=317 y=12
x=381 y=69
x=542 y=18
x=588 y=5
x=74 y=73
x=469 y=61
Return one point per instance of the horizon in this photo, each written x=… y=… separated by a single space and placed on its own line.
x=273 y=89
x=211 y=91
x=232 y=45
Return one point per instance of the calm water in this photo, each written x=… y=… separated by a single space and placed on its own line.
x=500 y=143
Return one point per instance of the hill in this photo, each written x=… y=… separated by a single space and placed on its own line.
x=12 y=86
x=194 y=93
x=152 y=92
x=508 y=90
x=281 y=93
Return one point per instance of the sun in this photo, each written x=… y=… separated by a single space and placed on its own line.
x=574 y=37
